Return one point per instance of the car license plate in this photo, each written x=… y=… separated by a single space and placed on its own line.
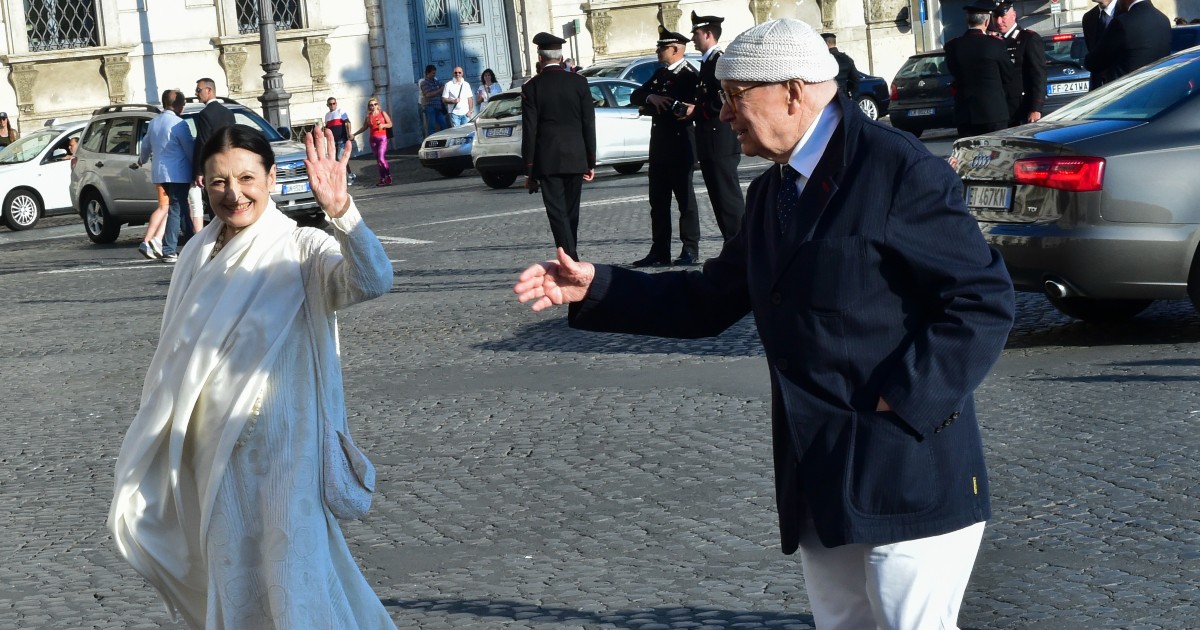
x=991 y=197
x=498 y=132
x=431 y=155
x=1069 y=87
x=921 y=112
x=292 y=189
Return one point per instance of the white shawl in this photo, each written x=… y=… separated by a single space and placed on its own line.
x=224 y=322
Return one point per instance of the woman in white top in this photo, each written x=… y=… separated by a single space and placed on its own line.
x=487 y=87
x=218 y=500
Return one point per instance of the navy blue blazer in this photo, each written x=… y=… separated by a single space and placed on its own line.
x=883 y=288
x=1135 y=38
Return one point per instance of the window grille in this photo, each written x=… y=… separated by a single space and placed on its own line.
x=60 y=24
x=437 y=14
x=468 y=12
x=287 y=15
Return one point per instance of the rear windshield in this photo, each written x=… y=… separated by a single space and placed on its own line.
x=923 y=67
x=1066 y=48
x=502 y=106
x=1141 y=95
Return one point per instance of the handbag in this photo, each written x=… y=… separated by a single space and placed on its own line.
x=347 y=474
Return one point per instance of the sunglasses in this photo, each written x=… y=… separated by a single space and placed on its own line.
x=372 y=104
x=331 y=103
x=457 y=73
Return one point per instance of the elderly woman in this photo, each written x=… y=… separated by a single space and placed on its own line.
x=219 y=500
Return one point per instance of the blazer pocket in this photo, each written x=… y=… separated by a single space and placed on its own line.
x=892 y=470
x=833 y=273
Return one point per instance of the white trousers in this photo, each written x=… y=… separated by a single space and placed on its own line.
x=909 y=585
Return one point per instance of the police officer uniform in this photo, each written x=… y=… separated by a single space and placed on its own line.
x=847 y=76
x=672 y=159
x=717 y=146
x=982 y=74
x=558 y=141
x=1027 y=88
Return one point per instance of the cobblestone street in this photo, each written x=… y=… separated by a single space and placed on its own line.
x=532 y=476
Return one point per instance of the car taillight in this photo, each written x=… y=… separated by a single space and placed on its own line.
x=1061 y=37
x=1078 y=174
x=895 y=95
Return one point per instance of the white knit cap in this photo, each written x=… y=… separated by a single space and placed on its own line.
x=779 y=50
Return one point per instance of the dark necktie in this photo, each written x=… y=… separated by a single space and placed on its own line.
x=1103 y=21
x=788 y=199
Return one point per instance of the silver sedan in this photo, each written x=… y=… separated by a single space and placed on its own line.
x=1096 y=205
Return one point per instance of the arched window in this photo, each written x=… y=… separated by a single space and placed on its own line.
x=60 y=24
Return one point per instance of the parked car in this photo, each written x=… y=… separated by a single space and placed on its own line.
x=873 y=97
x=922 y=96
x=1184 y=37
x=1095 y=205
x=108 y=194
x=622 y=135
x=636 y=69
x=35 y=175
x=448 y=151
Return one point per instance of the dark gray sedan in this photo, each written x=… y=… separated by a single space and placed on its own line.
x=1098 y=205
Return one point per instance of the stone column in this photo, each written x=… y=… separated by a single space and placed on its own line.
x=116 y=71
x=316 y=50
x=669 y=14
x=233 y=59
x=598 y=23
x=24 y=77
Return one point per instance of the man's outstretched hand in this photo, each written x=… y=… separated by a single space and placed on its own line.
x=555 y=282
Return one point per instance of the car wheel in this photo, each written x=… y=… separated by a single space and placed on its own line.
x=499 y=180
x=22 y=209
x=449 y=171
x=628 y=168
x=868 y=107
x=101 y=227
x=1100 y=311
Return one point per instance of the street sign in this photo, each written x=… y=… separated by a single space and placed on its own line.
x=1056 y=6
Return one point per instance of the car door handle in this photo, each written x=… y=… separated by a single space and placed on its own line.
x=99 y=164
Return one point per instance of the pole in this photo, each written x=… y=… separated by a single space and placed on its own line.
x=275 y=101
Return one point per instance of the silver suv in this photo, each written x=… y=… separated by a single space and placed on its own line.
x=108 y=194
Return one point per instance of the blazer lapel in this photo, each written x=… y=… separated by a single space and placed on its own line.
x=814 y=200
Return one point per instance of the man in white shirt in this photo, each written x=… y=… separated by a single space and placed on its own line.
x=338 y=121
x=170 y=141
x=458 y=98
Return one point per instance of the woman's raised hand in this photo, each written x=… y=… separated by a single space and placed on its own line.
x=326 y=173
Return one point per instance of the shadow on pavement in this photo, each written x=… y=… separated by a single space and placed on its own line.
x=740 y=340
x=638 y=618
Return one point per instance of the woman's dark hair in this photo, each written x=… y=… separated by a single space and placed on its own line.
x=485 y=73
x=239 y=137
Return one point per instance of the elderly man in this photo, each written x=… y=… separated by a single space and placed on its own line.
x=880 y=308
x=1027 y=88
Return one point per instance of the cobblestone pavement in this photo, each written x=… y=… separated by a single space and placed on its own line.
x=537 y=477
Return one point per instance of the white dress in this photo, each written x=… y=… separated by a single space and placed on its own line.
x=276 y=555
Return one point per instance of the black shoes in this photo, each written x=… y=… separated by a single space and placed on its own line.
x=687 y=259
x=652 y=260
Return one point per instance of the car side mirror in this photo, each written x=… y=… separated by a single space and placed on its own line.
x=286 y=132
x=58 y=153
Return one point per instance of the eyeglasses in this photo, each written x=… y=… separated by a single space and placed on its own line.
x=730 y=98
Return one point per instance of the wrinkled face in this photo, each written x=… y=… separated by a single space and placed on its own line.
x=669 y=53
x=239 y=186
x=767 y=117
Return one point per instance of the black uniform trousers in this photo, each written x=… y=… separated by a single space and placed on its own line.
x=667 y=179
x=721 y=179
x=561 y=195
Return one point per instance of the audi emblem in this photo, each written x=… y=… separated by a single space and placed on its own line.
x=1068 y=70
x=981 y=160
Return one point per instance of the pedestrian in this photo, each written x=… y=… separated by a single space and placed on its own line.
x=208 y=121
x=487 y=87
x=338 y=121
x=672 y=158
x=717 y=147
x=378 y=122
x=1138 y=36
x=431 y=101
x=8 y=134
x=169 y=141
x=1027 y=51
x=847 y=76
x=982 y=72
x=218 y=499
x=880 y=309
x=457 y=96
x=1095 y=21
x=558 y=141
